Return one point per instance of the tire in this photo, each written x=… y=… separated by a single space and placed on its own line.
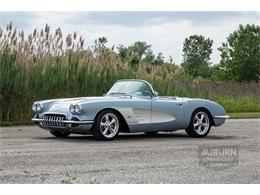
x=106 y=125
x=200 y=124
x=59 y=133
x=151 y=132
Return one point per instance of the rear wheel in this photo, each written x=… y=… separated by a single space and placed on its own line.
x=199 y=124
x=106 y=125
x=59 y=133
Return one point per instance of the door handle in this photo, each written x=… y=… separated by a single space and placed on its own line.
x=179 y=104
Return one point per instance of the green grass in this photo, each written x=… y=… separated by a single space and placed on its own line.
x=239 y=104
x=244 y=115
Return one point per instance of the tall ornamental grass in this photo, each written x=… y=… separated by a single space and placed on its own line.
x=47 y=65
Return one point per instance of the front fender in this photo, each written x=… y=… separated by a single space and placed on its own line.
x=217 y=111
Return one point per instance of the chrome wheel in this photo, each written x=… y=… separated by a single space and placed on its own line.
x=109 y=125
x=201 y=123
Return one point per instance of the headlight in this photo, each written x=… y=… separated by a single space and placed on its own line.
x=34 y=108
x=72 y=109
x=77 y=109
x=38 y=107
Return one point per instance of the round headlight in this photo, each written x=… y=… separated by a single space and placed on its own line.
x=77 y=109
x=34 y=108
x=38 y=107
x=72 y=109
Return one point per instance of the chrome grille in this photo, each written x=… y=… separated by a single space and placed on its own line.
x=53 y=120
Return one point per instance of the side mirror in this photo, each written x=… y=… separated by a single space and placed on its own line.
x=156 y=93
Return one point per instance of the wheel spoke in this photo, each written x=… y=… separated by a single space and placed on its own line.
x=103 y=124
x=199 y=129
x=204 y=124
x=112 y=121
x=196 y=124
x=106 y=130
x=107 y=118
x=111 y=130
x=202 y=117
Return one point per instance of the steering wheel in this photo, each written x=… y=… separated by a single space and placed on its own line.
x=147 y=93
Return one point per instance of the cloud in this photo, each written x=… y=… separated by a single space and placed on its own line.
x=165 y=31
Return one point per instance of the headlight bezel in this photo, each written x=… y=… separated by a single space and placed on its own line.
x=34 y=107
x=37 y=107
x=72 y=109
x=75 y=109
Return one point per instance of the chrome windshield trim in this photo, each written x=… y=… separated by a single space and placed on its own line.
x=221 y=117
x=66 y=121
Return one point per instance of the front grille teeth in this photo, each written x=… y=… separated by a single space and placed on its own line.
x=53 y=120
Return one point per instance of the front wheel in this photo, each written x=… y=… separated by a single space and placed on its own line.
x=106 y=125
x=199 y=124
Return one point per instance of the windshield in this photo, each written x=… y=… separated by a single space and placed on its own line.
x=133 y=88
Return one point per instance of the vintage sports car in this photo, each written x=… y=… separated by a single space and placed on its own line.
x=129 y=106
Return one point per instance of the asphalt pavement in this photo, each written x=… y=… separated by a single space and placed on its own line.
x=229 y=154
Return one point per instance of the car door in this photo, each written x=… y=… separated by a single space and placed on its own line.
x=166 y=113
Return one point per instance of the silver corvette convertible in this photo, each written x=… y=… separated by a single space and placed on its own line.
x=129 y=106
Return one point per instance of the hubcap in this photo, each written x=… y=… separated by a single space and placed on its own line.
x=109 y=125
x=201 y=123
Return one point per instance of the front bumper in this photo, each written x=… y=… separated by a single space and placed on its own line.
x=66 y=121
x=78 y=127
x=221 y=117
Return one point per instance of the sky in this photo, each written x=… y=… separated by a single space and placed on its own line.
x=165 y=31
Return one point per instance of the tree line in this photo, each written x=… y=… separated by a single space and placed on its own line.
x=240 y=55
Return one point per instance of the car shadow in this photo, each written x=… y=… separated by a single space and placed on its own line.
x=140 y=137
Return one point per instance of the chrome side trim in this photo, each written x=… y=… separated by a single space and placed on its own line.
x=66 y=121
x=221 y=117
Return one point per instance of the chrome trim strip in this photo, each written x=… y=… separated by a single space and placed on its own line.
x=78 y=122
x=221 y=117
x=66 y=121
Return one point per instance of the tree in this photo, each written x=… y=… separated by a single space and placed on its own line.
x=123 y=52
x=196 y=55
x=139 y=52
x=240 y=55
x=159 y=60
x=100 y=45
x=139 y=49
x=149 y=56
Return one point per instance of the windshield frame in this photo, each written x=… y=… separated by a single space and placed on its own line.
x=135 y=80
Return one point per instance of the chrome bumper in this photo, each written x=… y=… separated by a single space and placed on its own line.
x=221 y=117
x=66 y=121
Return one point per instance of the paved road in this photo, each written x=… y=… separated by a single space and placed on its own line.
x=31 y=155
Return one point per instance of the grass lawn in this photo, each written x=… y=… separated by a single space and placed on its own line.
x=244 y=115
